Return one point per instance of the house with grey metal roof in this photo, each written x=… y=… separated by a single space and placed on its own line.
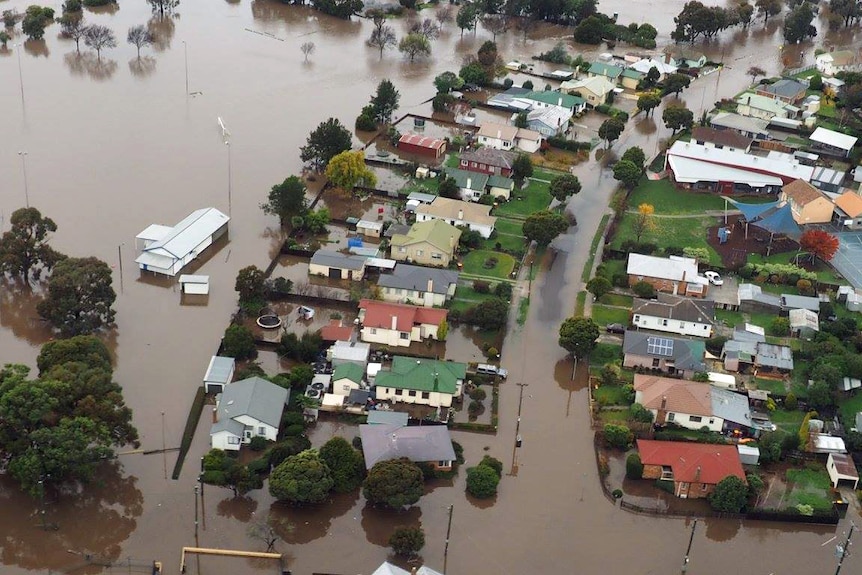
x=420 y=444
x=748 y=349
x=793 y=301
x=349 y=352
x=752 y=298
x=219 y=373
x=732 y=407
x=675 y=314
x=387 y=417
x=671 y=355
x=417 y=285
x=336 y=265
x=246 y=409
x=745 y=125
x=785 y=90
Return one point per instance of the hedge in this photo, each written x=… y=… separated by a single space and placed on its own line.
x=569 y=145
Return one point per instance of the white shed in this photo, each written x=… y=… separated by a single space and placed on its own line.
x=219 y=373
x=167 y=250
x=195 y=285
x=723 y=380
x=841 y=467
x=369 y=228
x=748 y=455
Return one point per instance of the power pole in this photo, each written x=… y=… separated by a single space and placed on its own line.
x=517 y=444
x=196 y=515
x=688 y=550
x=841 y=550
x=448 y=532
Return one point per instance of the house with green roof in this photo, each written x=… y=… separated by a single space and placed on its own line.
x=471 y=184
x=548 y=98
x=501 y=186
x=429 y=243
x=608 y=71
x=347 y=377
x=630 y=78
x=422 y=381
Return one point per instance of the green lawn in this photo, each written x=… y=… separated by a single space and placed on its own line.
x=667 y=199
x=609 y=268
x=588 y=267
x=771 y=385
x=604 y=315
x=523 y=308
x=467 y=292
x=545 y=174
x=850 y=407
x=580 y=300
x=617 y=299
x=611 y=395
x=730 y=318
x=452 y=161
x=474 y=263
x=810 y=487
x=679 y=233
x=606 y=353
x=823 y=271
x=426 y=186
x=509 y=235
x=787 y=421
x=531 y=198
x=614 y=416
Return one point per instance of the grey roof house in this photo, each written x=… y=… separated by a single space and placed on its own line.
x=424 y=443
x=245 y=409
x=668 y=354
x=748 y=347
x=675 y=314
x=416 y=284
x=730 y=406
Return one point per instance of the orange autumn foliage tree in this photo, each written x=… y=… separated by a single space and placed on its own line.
x=819 y=244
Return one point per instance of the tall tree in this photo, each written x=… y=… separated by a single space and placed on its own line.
x=798 y=24
x=496 y=24
x=644 y=221
x=611 y=129
x=99 y=37
x=768 y=8
x=467 y=17
x=307 y=48
x=627 y=173
x=345 y=463
x=348 y=169
x=578 y=336
x=648 y=101
x=677 y=118
x=522 y=168
x=385 y=101
x=414 y=44
x=74 y=28
x=329 y=139
x=251 y=284
x=563 y=186
x=730 y=495
x=820 y=244
x=676 y=83
x=35 y=19
x=543 y=226
x=444 y=15
x=848 y=10
x=393 y=483
x=426 y=28
x=754 y=72
x=301 y=479
x=407 y=541
x=139 y=36
x=86 y=350
x=163 y=7
x=24 y=249
x=636 y=156
x=447 y=81
x=79 y=297
x=383 y=35
x=338 y=8
x=286 y=200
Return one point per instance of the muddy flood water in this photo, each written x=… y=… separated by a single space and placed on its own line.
x=116 y=144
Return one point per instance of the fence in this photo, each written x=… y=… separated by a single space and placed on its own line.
x=829 y=518
x=795 y=71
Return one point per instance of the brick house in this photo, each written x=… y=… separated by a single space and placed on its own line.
x=488 y=161
x=674 y=275
x=694 y=468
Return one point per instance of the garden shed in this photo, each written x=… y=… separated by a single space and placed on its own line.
x=842 y=470
x=219 y=373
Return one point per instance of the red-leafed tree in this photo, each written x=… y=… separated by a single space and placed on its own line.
x=819 y=244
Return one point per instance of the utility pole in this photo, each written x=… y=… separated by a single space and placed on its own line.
x=120 y=260
x=24 y=170
x=229 y=178
x=196 y=515
x=448 y=532
x=841 y=550
x=186 y=57
x=18 y=48
x=517 y=444
x=688 y=551
x=164 y=448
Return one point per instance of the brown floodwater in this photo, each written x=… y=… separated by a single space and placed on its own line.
x=115 y=144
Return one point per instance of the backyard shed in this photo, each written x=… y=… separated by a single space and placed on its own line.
x=422 y=145
x=166 y=250
x=832 y=141
x=195 y=285
x=369 y=228
x=748 y=455
x=219 y=373
x=335 y=265
x=841 y=467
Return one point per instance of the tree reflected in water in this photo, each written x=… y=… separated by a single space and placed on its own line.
x=142 y=67
x=89 y=65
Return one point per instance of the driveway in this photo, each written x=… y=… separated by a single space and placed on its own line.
x=848 y=258
x=725 y=293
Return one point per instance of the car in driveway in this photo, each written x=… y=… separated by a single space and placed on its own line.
x=617 y=328
x=714 y=278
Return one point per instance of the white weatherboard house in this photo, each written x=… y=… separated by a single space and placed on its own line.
x=675 y=314
x=166 y=250
x=219 y=373
x=245 y=409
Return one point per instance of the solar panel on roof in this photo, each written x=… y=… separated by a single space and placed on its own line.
x=660 y=346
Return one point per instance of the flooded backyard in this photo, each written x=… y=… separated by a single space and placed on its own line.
x=116 y=144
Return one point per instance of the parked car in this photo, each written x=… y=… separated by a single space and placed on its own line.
x=615 y=328
x=487 y=369
x=714 y=278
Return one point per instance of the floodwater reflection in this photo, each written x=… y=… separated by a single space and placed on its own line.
x=18 y=312
x=379 y=524
x=88 y=64
x=298 y=525
x=163 y=29
x=37 y=48
x=142 y=67
x=239 y=508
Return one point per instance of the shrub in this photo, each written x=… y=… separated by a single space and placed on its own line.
x=503 y=290
x=528 y=85
x=790 y=402
x=618 y=436
x=239 y=342
x=805 y=288
x=492 y=353
x=482 y=481
x=258 y=443
x=407 y=541
x=493 y=463
x=259 y=466
x=617 y=493
x=644 y=290
x=365 y=123
x=478 y=394
x=634 y=466
x=780 y=326
x=640 y=413
x=480 y=286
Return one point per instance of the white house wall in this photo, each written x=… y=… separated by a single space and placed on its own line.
x=221 y=440
x=435 y=399
x=673 y=326
x=529 y=146
x=344 y=386
x=684 y=420
x=400 y=295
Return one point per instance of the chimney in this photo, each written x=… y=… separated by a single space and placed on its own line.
x=697 y=475
x=667 y=57
x=394 y=322
x=469 y=181
x=215 y=414
x=430 y=285
x=664 y=402
x=461 y=212
x=499 y=134
x=560 y=101
x=413 y=571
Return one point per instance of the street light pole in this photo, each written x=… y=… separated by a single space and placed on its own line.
x=448 y=532
x=120 y=260
x=842 y=549
x=186 y=57
x=18 y=48
x=24 y=170
x=196 y=515
x=517 y=443
x=229 y=178
x=688 y=550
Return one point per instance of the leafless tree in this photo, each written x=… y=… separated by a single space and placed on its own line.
x=307 y=48
x=495 y=24
x=163 y=6
x=139 y=36
x=301 y=288
x=266 y=531
x=426 y=28
x=444 y=15
x=524 y=25
x=99 y=37
x=73 y=27
x=383 y=36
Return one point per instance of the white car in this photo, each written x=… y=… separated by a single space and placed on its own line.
x=713 y=278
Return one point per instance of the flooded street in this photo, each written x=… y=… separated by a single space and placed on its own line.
x=114 y=145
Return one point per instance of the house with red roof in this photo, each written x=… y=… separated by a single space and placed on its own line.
x=398 y=325
x=336 y=331
x=694 y=468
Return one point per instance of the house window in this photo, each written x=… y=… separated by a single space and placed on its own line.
x=436 y=256
x=404 y=335
x=664 y=322
x=637 y=319
x=671 y=416
x=655 y=362
x=418 y=252
x=473 y=164
x=681 y=325
x=412 y=393
x=506 y=144
x=426 y=395
x=399 y=392
x=711 y=420
x=402 y=250
x=261 y=430
x=233 y=440
x=372 y=330
x=703 y=487
x=444 y=464
x=695 y=418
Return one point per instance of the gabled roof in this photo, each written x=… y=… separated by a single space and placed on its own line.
x=338 y=260
x=674 y=395
x=753 y=292
x=182 y=238
x=501 y=182
x=449 y=209
x=633 y=74
x=785 y=88
x=475 y=181
x=693 y=462
x=676 y=307
x=379 y=314
x=672 y=268
x=416 y=278
x=422 y=141
x=793 y=301
x=646 y=65
x=802 y=192
x=554 y=117
x=833 y=139
x=336 y=331
x=254 y=397
x=528 y=135
x=422 y=374
x=680 y=52
x=491 y=157
x=607 y=70
x=351 y=371
x=351 y=351
x=420 y=443
x=838 y=57
x=764 y=103
x=556 y=99
x=850 y=203
x=598 y=85
x=771 y=355
x=733 y=121
x=720 y=137
x=685 y=353
x=730 y=406
x=220 y=369
x=438 y=233
x=498 y=131
x=753 y=167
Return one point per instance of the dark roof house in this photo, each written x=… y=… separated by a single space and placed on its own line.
x=381 y=442
x=720 y=138
x=418 y=278
x=685 y=354
x=680 y=308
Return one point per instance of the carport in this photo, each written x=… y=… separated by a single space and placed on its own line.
x=848 y=258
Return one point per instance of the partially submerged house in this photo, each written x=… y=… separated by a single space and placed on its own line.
x=594 y=89
x=429 y=243
x=675 y=314
x=610 y=72
x=422 y=381
x=808 y=204
x=503 y=137
x=219 y=373
x=785 y=90
x=167 y=250
x=476 y=217
x=347 y=377
x=549 y=122
x=342 y=352
x=245 y=409
x=420 y=444
x=416 y=285
x=675 y=275
x=744 y=125
x=830 y=63
x=764 y=107
x=336 y=265
x=683 y=56
x=552 y=99
x=667 y=354
x=694 y=468
x=398 y=325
